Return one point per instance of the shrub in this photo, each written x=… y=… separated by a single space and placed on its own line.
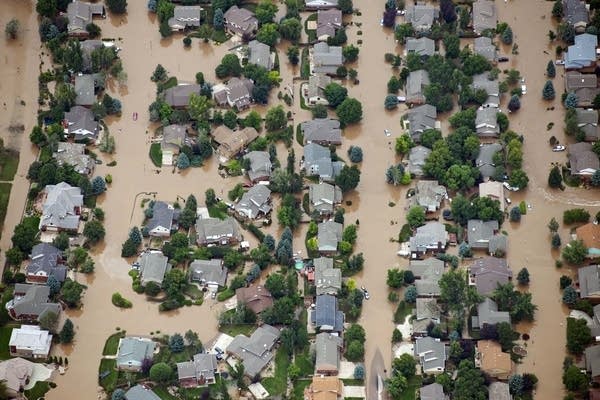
x=120 y=301
x=548 y=92
x=355 y=154
x=576 y=215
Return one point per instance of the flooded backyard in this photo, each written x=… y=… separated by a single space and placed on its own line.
x=134 y=174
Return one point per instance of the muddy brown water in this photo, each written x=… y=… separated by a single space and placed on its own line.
x=143 y=49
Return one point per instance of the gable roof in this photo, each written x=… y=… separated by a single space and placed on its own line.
x=428 y=273
x=415 y=85
x=582 y=159
x=84 y=90
x=483 y=46
x=259 y=54
x=16 y=373
x=45 y=261
x=486 y=122
x=592 y=360
x=212 y=230
x=491 y=87
x=140 y=392
x=494 y=190
x=316 y=86
x=240 y=20
x=184 y=16
x=255 y=351
x=179 y=96
x=255 y=297
x=174 y=137
x=314 y=4
x=324 y=388
x=202 y=367
x=256 y=201
x=587 y=120
x=153 y=267
x=162 y=217
x=329 y=235
x=427 y=308
x=420 y=119
x=326 y=314
x=208 y=272
x=231 y=142
x=324 y=197
x=81 y=123
x=485 y=159
x=327 y=349
x=416 y=160
x=575 y=12
x=421 y=16
x=328 y=21
x=487 y=313
x=583 y=53
x=80 y=14
x=430 y=194
x=133 y=350
x=431 y=353
x=260 y=165
x=484 y=15
x=74 y=154
x=431 y=236
x=492 y=359
x=422 y=46
x=317 y=161
x=480 y=232
x=328 y=280
x=590 y=235
x=61 y=208
x=32 y=301
x=489 y=272
x=589 y=281
x=326 y=59
x=576 y=80
x=322 y=130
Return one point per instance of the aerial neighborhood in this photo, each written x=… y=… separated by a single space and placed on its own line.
x=300 y=199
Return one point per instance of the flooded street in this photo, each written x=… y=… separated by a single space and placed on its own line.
x=142 y=48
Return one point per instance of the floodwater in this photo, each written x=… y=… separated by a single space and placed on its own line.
x=143 y=49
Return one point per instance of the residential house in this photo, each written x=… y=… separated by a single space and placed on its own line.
x=231 y=143
x=328 y=22
x=430 y=195
x=419 y=119
x=592 y=361
x=61 y=208
x=582 y=55
x=480 y=232
x=328 y=280
x=217 y=231
x=16 y=374
x=46 y=261
x=427 y=275
x=132 y=352
x=315 y=90
x=433 y=391
x=487 y=273
x=587 y=121
x=256 y=351
x=428 y=312
x=491 y=87
x=74 y=154
x=429 y=238
x=422 y=16
x=173 y=139
x=237 y=93
x=499 y=391
x=486 y=123
x=200 y=371
x=326 y=315
x=153 y=267
x=416 y=160
x=324 y=387
x=256 y=297
x=31 y=302
x=87 y=48
x=141 y=392
x=211 y=273
x=596 y=323
x=185 y=17
x=324 y=198
x=484 y=16
x=323 y=131
x=488 y=314
x=415 y=86
x=422 y=46
x=589 y=282
x=582 y=160
x=585 y=87
x=260 y=166
x=256 y=202
x=317 y=161
x=329 y=236
x=494 y=190
x=485 y=159
x=590 y=235
x=320 y=4
x=179 y=96
x=85 y=90
x=431 y=354
x=259 y=54
x=575 y=13
x=326 y=59
x=327 y=349
x=161 y=222
x=29 y=341
x=240 y=22
x=492 y=361
x=484 y=47
x=79 y=123
x=80 y=14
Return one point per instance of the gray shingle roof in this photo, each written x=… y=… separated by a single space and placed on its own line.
x=431 y=236
x=174 y=137
x=255 y=297
x=428 y=273
x=416 y=160
x=427 y=308
x=484 y=15
x=575 y=12
x=320 y=4
x=491 y=87
x=329 y=235
x=210 y=272
x=488 y=273
x=203 y=365
x=487 y=313
x=153 y=267
x=255 y=351
x=240 y=20
x=587 y=120
x=324 y=131
x=45 y=261
x=431 y=353
x=326 y=316
x=80 y=14
x=486 y=123
x=483 y=46
x=162 y=219
x=185 y=16
x=326 y=59
x=327 y=349
x=421 y=16
x=214 y=230
x=480 y=232
x=255 y=202
x=139 y=392
x=179 y=96
x=422 y=46
x=420 y=119
x=61 y=208
x=81 y=123
x=328 y=280
x=433 y=391
x=84 y=90
x=485 y=159
x=592 y=360
x=316 y=87
x=589 y=281
x=32 y=300
x=133 y=350
x=324 y=197
x=582 y=159
x=415 y=85
x=260 y=165
x=259 y=54
x=430 y=194
x=74 y=154
x=583 y=53
x=328 y=21
x=317 y=161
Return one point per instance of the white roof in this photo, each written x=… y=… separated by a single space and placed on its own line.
x=31 y=337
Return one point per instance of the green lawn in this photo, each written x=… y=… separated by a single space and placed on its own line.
x=299 y=386
x=5 y=332
x=163 y=393
x=304 y=362
x=312 y=33
x=220 y=36
x=410 y=393
x=193 y=292
x=9 y=161
x=38 y=391
x=112 y=344
x=238 y=329
x=156 y=154
x=109 y=382
x=304 y=64
x=219 y=210
x=404 y=309
x=4 y=197
x=277 y=384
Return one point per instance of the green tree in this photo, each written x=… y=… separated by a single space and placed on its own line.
x=548 y=92
x=557 y=9
x=210 y=197
x=291 y=29
x=46 y=8
x=452 y=45
x=403 y=31
x=176 y=344
x=49 y=321
x=161 y=373
x=404 y=365
x=94 y=231
x=350 y=53
x=355 y=154
x=218 y=19
x=396 y=386
x=415 y=216
x=469 y=383
x=335 y=94
x=67 y=333
x=152 y=289
x=569 y=296
x=575 y=380
x=349 y=111
x=395 y=278
x=71 y=293
x=348 y=178
x=575 y=252
x=461 y=177
x=523 y=277
x=345 y=6
x=518 y=178
x=268 y=34
x=555 y=177
x=410 y=295
x=117 y=6
x=293 y=54
x=514 y=104
x=555 y=241
x=403 y=145
x=275 y=119
x=12 y=28
x=199 y=107
x=355 y=351
x=453 y=289
x=507 y=36
x=265 y=11
x=578 y=335
x=93 y=30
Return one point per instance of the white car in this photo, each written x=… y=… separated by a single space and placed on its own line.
x=559 y=147
x=559 y=62
x=387 y=132
x=523 y=89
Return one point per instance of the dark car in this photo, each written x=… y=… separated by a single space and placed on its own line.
x=502 y=59
x=447 y=214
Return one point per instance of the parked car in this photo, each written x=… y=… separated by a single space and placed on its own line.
x=447 y=215
x=508 y=187
x=508 y=200
x=560 y=62
x=523 y=89
x=401 y=99
x=502 y=59
x=387 y=132
x=365 y=293
x=559 y=147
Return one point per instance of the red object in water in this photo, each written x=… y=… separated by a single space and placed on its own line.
x=135 y=115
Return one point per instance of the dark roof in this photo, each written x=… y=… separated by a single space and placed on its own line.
x=582 y=159
x=255 y=297
x=179 y=96
x=45 y=261
x=255 y=351
x=81 y=123
x=488 y=273
x=322 y=130
x=589 y=281
x=212 y=230
x=326 y=314
x=487 y=313
x=485 y=159
x=32 y=300
x=162 y=216
x=240 y=20
x=328 y=21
